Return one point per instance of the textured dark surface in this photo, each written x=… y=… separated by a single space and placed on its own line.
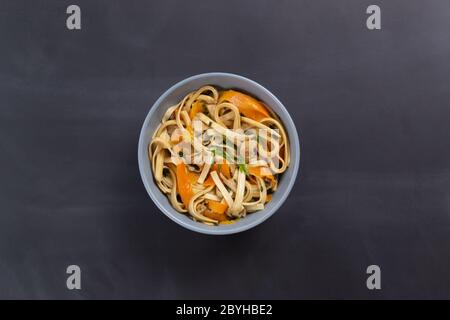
x=373 y=108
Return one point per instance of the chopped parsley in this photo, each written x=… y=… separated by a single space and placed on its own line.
x=226 y=156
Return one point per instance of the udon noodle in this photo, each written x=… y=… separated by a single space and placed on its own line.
x=218 y=155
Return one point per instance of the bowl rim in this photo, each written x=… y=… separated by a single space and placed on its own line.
x=196 y=226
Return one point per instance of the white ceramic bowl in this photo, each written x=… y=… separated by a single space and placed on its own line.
x=224 y=80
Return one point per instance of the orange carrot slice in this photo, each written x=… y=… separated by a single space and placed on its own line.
x=247 y=105
x=217 y=207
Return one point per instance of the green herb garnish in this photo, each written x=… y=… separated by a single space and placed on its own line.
x=242 y=166
x=220 y=153
x=226 y=156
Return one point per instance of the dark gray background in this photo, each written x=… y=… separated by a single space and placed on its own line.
x=373 y=108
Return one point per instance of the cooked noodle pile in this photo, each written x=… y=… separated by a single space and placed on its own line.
x=217 y=155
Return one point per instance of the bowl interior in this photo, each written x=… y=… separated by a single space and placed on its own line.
x=173 y=96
